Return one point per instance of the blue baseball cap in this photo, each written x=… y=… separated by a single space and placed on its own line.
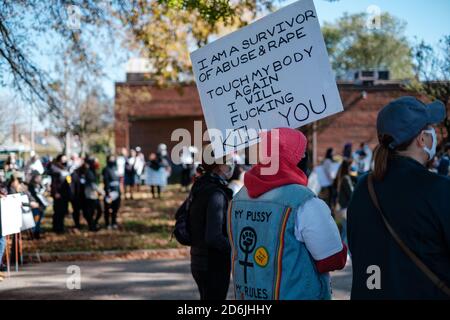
x=404 y=118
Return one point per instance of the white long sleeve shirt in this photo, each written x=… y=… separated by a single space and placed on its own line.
x=315 y=227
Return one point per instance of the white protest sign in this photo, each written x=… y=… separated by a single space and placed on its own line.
x=27 y=214
x=321 y=175
x=272 y=73
x=11 y=214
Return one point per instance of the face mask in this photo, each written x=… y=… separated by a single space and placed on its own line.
x=431 y=152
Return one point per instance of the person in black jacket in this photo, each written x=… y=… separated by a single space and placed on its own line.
x=415 y=204
x=210 y=249
x=60 y=191
x=92 y=207
x=130 y=174
x=112 y=192
x=77 y=195
x=87 y=192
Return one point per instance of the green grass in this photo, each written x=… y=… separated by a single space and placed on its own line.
x=144 y=223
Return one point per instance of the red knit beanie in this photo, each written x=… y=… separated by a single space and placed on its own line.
x=285 y=146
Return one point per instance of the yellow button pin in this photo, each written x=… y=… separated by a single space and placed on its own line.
x=261 y=257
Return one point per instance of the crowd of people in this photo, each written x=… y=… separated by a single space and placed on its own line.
x=134 y=170
x=281 y=234
x=277 y=236
x=78 y=185
x=72 y=181
x=24 y=178
x=76 y=182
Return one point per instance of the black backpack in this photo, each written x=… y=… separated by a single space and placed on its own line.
x=182 y=231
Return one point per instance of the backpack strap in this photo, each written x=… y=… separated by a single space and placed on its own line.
x=430 y=274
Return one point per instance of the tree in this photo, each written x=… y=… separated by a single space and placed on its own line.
x=85 y=111
x=166 y=31
x=24 y=25
x=88 y=118
x=13 y=114
x=352 y=44
x=432 y=69
x=93 y=124
x=163 y=30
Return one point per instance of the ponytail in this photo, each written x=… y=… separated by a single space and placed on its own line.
x=382 y=155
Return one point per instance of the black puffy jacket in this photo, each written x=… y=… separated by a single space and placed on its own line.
x=210 y=246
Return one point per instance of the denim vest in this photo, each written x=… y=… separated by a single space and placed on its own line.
x=268 y=262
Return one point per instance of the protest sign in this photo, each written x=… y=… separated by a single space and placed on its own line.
x=11 y=214
x=321 y=175
x=272 y=73
x=27 y=214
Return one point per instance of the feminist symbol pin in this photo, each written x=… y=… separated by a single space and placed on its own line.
x=247 y=243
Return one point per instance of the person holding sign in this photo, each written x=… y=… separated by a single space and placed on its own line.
x=284 y=240
x=399 y=215
x=60 y=191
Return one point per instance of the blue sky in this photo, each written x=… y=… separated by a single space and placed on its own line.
x=426 y=19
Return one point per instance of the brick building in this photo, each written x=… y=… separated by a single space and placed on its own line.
x=146 y=115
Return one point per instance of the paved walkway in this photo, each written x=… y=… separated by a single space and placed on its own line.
x=135 y=279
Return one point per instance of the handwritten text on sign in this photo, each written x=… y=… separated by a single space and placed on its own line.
x=272 y=73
